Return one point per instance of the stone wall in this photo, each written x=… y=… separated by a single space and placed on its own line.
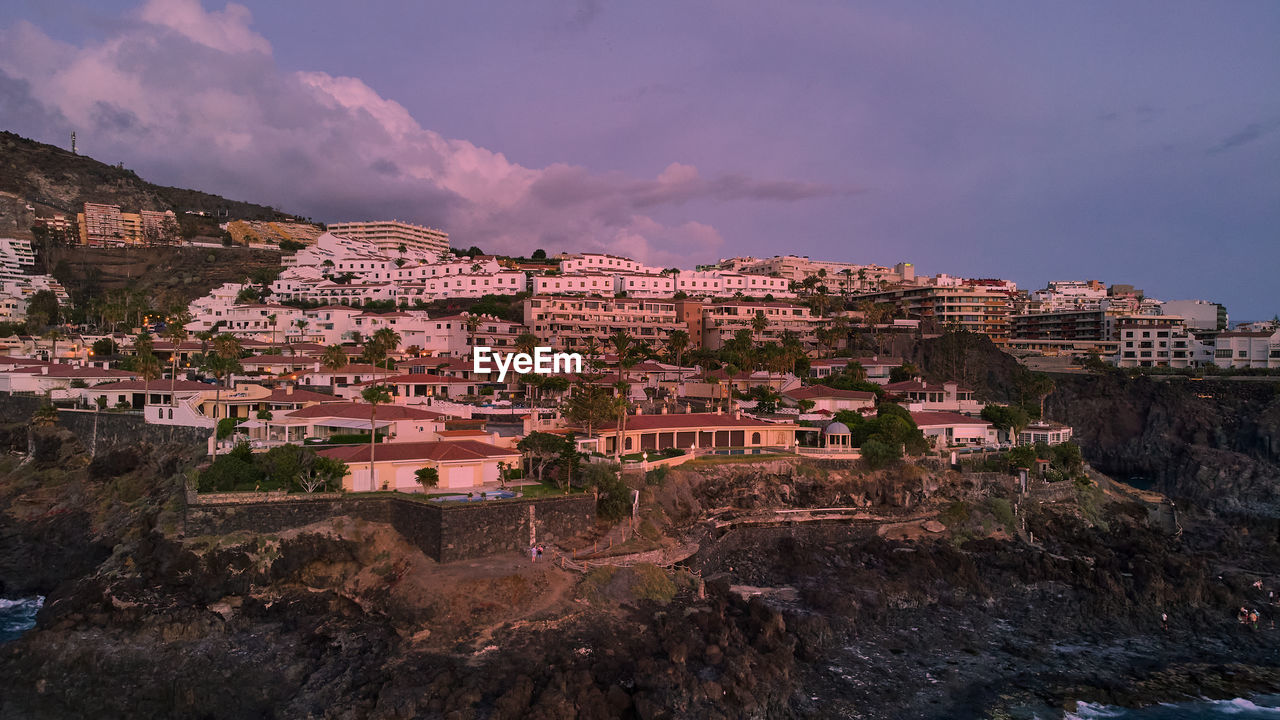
x=486 y=528
x=113 y=428
x=444 y=531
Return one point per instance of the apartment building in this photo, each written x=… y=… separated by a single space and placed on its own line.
x=1200 y=315
x=580 y=263
x=1070 y=295
x=838 y=276
x=102 y=224
x=1251 y=349
x=644 y=285
x=390 y=235
x=350 y=271
x=1159 y=341
x=721 y=321
x=722 y=283
x=17 y=257
x=567 y=322
x=582 y=283
x=1070 y=324
x=976 y=308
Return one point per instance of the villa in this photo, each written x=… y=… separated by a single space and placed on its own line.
x=832 y=400
x=697 y=431
x=461 y=464
x=948 y=429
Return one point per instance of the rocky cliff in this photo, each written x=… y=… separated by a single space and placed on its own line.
x=1212 y=442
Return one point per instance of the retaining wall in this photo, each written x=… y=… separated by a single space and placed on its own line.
x=113 y=428
x=444 y=531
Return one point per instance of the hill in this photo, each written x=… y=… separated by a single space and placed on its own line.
x=169 y=276
x=58 y=180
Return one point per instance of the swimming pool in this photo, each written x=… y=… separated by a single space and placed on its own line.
x=494 y=495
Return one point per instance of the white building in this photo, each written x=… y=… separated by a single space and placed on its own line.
x=17 y=258
x=1199 y=314
x=722 y=283
x=1044 y=431
x=948 y=429
x=351 y=271
x=610 y=264
x=391 y=235
x=1252 y=349
x=1159 y=341
x=1071 y=295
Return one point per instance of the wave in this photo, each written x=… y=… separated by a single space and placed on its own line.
x=18 y=616
x=1257 y=708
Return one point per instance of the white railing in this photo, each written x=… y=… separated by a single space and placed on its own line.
x=185 y=414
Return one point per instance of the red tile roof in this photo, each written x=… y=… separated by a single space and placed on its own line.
x=360 y=411
x=440 y=451
x=822 y=391
x=350 y=369
x=281 y=395
x=692 y=420
x=919 y=386
x=70 y=371
x=418 y=379
x=936 y=419
x=155 y=386
x=278 y=360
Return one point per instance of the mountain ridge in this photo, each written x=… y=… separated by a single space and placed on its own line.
x=59 y=180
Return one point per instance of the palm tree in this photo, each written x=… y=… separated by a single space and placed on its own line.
x=302 y=326
x=677 y=341
x=526 y=342
x=375 y=395
x=624 y=346
x=204 y=336
x=333 y=359
x=142 y=346
x=148 y=368
x=219 y=367
x=273 y=317
x=759 y=324
x=55 y=335
x=225 y=362
x=175 y=331
x=388 y=341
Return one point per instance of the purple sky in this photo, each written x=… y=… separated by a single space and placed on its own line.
x=1129 y=142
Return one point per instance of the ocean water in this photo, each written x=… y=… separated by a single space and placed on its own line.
x=1263 y=706
x=18 y=616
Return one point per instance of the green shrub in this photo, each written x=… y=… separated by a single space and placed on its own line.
x=955 y=515
x=230 y=472
x=656 y=476
x=651 y=582
x=615 y=497
x=879 y=453
x=1002 y=511
x=352 y=438
x=226 y=426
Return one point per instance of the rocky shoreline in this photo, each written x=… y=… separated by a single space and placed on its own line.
x=829 y=619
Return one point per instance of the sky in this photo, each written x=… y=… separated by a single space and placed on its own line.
x=1129 y=142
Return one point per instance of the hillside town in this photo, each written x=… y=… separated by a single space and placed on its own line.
x=782 y=355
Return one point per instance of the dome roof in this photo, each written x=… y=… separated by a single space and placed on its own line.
x=836 y=428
